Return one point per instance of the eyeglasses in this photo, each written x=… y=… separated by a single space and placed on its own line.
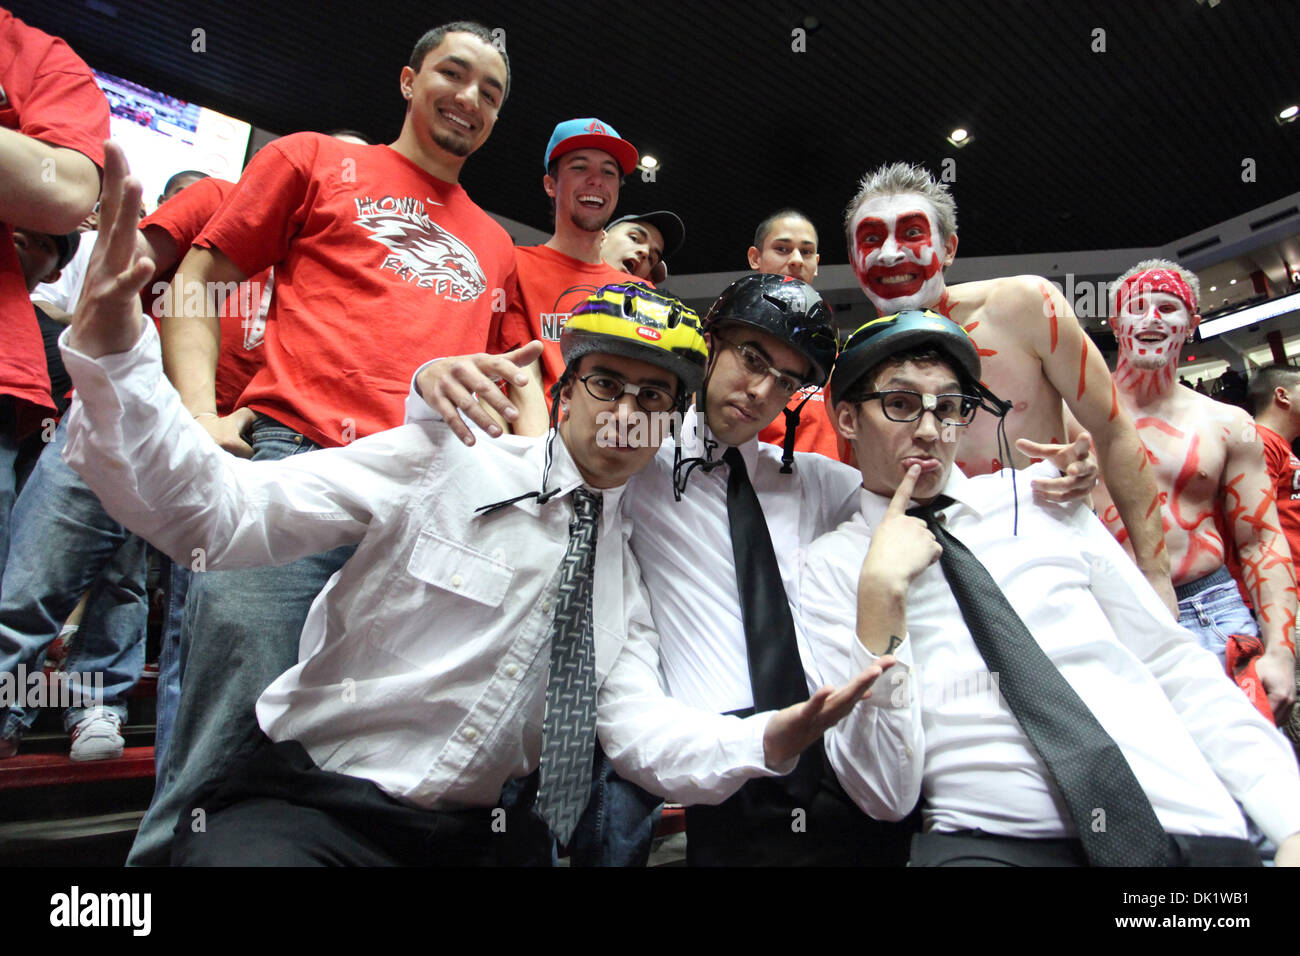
x=755 y=363
x=901 y=405
x=606 y=388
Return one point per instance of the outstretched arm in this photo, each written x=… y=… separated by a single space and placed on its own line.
x=689 y=755
x=151 y=464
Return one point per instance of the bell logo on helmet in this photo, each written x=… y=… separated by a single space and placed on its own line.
x=645 y=333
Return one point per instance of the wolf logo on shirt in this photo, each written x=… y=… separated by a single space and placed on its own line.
x=420 y=250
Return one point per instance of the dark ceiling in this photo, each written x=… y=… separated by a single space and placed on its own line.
x=1073 y=148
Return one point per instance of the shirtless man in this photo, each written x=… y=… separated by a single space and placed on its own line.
x=1209 y=464
x=902 y=234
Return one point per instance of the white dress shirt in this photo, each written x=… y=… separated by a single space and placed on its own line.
x=935 y=722
x=423 y=663
x=684 y=549
x=64 y=292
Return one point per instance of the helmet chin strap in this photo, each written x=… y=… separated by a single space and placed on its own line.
x=682 y=467
x=791 y=426
x=541 y=495
x=1000 y=407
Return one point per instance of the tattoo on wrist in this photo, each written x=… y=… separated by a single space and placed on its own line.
x=894 y=641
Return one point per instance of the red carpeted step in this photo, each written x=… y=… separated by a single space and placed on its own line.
x=43 y=770
x=672 y=820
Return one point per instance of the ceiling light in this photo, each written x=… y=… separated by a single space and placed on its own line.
x=1233 y=282
x=1214 y=288
x=1288 y=115
x=959 y=137
x=649 y=162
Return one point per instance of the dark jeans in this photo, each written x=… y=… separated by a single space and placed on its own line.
x=65 y=543
x=617 y=826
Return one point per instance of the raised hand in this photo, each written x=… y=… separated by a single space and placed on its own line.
x=901 y=546
x=1076 y=462
x=108 y=317
x=797 y=727
x=450 y=385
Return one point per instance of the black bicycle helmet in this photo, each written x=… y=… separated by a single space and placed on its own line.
x=785 y=307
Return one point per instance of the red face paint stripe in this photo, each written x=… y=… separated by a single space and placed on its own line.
x=946 y=305
x=1160 y=425
x=1051 y=312
x=1083 y=364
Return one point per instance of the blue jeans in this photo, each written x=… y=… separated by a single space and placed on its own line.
x=63 y=542
x=8 y=478
x=240 y=633
x=617 y=826
x=169 y=656
x=1212 y=609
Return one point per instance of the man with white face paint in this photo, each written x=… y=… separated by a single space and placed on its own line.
x=902 y=233
x=1209 y=465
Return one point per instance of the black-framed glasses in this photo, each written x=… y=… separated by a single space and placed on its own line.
x=904 y=405
x=607 y=388
x=756 y=363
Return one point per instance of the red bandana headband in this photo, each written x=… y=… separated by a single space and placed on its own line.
x=1156 y=280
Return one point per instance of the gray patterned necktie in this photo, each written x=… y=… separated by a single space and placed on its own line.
x=1085 y=762
x=569 y=727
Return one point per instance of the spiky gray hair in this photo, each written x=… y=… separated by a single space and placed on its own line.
x=1145 y=266
x=897 y=179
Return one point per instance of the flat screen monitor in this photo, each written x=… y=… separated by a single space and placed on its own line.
x=162 y=135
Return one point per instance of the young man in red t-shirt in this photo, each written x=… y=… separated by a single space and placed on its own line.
x=53 y=123
x=169 y=232
x=585 y=163
x=785 y=243
x=381 y=260
x=1275 y=399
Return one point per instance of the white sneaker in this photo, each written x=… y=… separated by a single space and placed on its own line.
x=96 y=736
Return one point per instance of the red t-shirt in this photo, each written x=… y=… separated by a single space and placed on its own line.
x=379 y=267
x=551 y=286
x=1284 y=469
x=816 y=433
x=49 y=94
x=243 y=318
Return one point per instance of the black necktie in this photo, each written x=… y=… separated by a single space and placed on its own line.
x=775 y=669
x=1112 y=814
